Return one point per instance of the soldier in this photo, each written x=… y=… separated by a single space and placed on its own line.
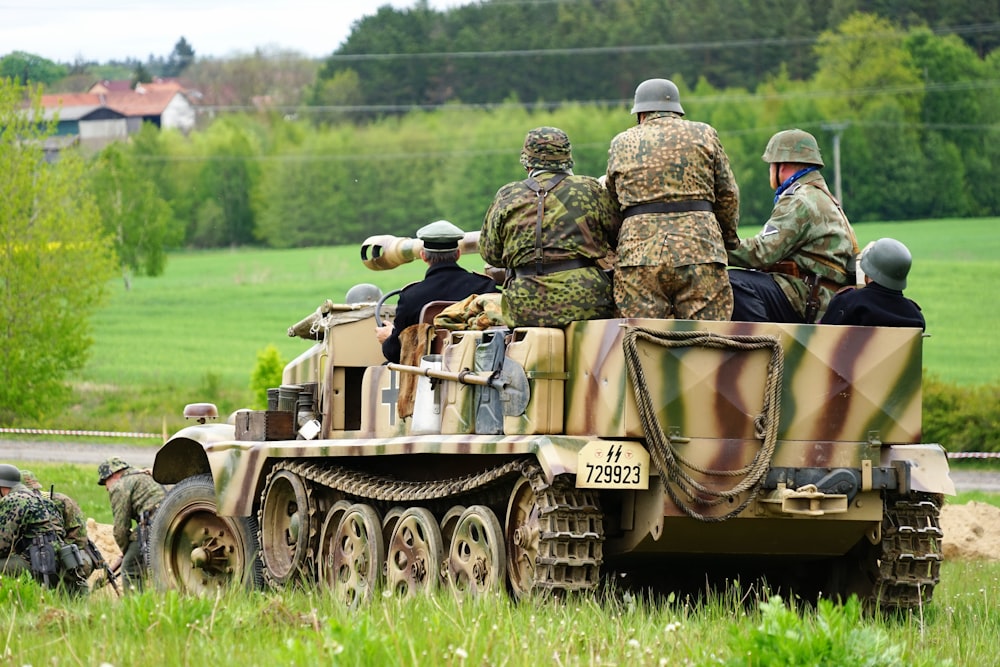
x=549 y=231
x=32 y=538
x=806 y=250
x=444 y=280
x=680 y=205
x=880 y=303
x=73 y=522
x=135 y=495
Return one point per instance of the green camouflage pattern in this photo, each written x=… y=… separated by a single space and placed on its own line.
x=809 y=228
x=547 y=148
x=580 y=221
x=828 y=418
x=23 y=516
x=73 y=522
x=793 y=146
x=134 y=493
x=110 y=467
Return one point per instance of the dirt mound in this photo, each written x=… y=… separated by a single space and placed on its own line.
x=971 y=531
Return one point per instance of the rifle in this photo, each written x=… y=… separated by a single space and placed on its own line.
x=142 y=533
x=98 y=558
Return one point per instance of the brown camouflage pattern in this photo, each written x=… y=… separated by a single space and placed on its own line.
x=669 y=159
x=134 y=493
x=580 y=221
x=807 y=227
x=547 y=148
x=693 y=292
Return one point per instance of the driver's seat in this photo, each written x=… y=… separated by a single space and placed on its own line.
x=427 y=315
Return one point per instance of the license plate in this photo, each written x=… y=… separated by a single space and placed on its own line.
x=612 y=465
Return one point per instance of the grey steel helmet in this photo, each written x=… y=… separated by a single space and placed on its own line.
x=10 y=476
x=363 y=293
x=110 y=467
x=547 y=148
x=887 y=262
x=657 y=95
x=793 y=146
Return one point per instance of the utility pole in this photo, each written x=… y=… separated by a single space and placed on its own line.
x=837 y=129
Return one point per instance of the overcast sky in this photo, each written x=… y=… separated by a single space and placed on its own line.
x=102 y=30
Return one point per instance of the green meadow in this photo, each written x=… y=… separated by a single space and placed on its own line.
x=193 y=334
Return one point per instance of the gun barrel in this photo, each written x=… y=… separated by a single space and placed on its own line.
x=385 y=251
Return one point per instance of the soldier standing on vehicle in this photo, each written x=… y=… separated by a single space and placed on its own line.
x=444 y=280
x=680 y=205
x=134 y=495
x=32 y=538
x=549 y=231
x=807 y=248
x=73 y=522
x=880 y=303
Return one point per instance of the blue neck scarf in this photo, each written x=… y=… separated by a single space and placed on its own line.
x=791 y=179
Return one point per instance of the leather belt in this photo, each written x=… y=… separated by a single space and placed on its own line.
x=553 y=267
x=669 y=207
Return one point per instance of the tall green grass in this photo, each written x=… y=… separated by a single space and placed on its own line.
x=193 y=334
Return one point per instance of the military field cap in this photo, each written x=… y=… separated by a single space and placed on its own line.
x=440 y=236
x=547 y=148
x=29 y=480
x=110 y=467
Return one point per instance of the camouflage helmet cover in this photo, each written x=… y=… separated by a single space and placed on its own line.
x=110 y=467
x=793 y=146
x=657 y=95
x=887 y=262
x=10 y=476
x=547 y=148
x=29 y=480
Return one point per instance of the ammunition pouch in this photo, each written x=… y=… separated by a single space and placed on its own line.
x=43 y=558
x=70 y=556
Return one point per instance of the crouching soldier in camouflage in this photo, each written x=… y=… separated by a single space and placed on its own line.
x=32 y=537
x=134 y=495
x=73 y=522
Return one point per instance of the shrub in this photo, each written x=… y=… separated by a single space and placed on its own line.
x=961 y=418
x=266 y=375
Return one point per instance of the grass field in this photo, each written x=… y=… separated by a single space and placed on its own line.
x=193 y=334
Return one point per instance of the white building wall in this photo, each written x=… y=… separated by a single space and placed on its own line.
x=179 y=114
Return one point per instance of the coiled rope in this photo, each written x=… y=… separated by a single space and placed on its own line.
x=669 y=464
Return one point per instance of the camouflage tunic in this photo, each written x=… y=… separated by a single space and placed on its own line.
x=23 y=516
x=580 y=221
x=807 y=227
x=134 y=493
x=669 y=159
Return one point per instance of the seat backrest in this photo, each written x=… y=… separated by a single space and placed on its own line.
x=427 y=314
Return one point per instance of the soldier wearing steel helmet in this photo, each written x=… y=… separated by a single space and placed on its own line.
x=73 y=522
x=134 y=496
x=444 y=280
x=680 y=204
x=549 y=231
x=30 y=525
x=805 y=252
x=880 y=303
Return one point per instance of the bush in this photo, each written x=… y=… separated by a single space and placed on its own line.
x=266 y=375
x=960 y=418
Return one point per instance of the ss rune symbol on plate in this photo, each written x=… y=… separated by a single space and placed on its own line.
x=612 y=465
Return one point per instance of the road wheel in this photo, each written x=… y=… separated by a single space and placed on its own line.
x=351 y=556
x=414 y=553
x=476 y=555
x=195 y=550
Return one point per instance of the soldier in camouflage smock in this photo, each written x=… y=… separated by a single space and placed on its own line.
x=23 y=517
x=807 y=248
x=132 y=493
x=549 y=231
x=681 y=206
x=73 y=522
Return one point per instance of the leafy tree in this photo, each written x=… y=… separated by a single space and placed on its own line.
x=27 y=68
x=140 y=223
x=54 y=263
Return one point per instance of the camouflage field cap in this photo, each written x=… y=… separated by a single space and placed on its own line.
x=793 y=146
x=110 y=467
x=10 y=476
x=886 y=261
x=29 y=480
x=440 y=236
x=547 y=148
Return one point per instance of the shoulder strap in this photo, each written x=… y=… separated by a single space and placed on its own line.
x=541 y=192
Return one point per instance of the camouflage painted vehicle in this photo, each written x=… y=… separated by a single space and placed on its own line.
x=544 y=459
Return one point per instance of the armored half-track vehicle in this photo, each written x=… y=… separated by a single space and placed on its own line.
x=546 y=460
